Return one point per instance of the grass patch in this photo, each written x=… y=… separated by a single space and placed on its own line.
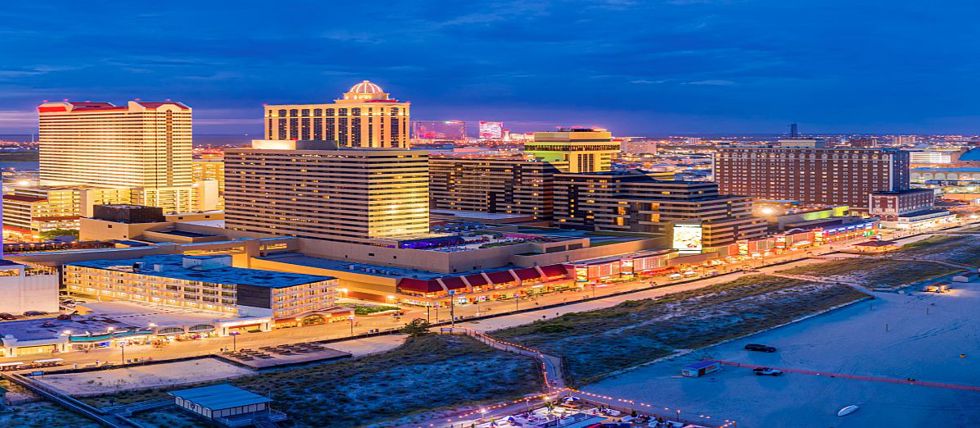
x=170 y=418
x=426 y=372
x=42 y=414
x=962 y=249
x=874 y=272
x=597 y=343
x=373 y=309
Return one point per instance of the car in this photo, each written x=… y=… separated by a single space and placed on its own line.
x=767 y=371
x=34 y=313
x=759 y=348
x=7 y=317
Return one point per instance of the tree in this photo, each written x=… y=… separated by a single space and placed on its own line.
x=49 y=235
x=418 y=327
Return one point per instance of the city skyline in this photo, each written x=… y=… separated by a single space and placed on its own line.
x=675 y=67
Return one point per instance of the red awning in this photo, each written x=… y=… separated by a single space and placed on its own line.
x=527 y=273
x=476 y=280
x=501 y=277
x=419 y=285
x=453 y=282
x=554 y=271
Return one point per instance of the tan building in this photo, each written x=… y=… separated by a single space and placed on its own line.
x=206 y=283
x=576 y=149
x=142 y=144
x=348 y=195
x=635 y=202
x=366 y=116
x=137 y=153
x=30 y=214
x=493 y=184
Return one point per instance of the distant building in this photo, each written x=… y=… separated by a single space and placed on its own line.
x=578 y=149
x=905 y=140
x=811 y=175
x=347 y=195
x=493 y=131
x=366 y=116
x=429 y=131
x=636 y=202
x=493 y=184
x=890 y=205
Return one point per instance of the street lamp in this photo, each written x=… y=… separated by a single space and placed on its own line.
x=234 y=341
x=351 y=319
x=122 y=347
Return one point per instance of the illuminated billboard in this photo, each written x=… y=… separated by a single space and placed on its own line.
x=491 y=130
x=687 y=238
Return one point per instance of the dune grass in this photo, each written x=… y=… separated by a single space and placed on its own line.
x=597 y=343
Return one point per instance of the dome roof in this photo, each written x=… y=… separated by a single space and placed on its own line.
x=366 y=87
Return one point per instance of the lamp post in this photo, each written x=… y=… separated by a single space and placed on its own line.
x=351 y=319
x=122 y=347
x=452 y=308
x=234 y=341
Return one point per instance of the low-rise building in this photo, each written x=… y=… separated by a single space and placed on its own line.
x=226 y=405
x=26 y=289
x=207 y=283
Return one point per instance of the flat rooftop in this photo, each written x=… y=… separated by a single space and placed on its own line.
x=52 y=328
x=172 y=266
x=353 y=267
x=221 y=396
x=184 y=233
x=368 y=269
x=478 y=215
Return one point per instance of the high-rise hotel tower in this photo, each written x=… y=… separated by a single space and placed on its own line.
x=366 y=116
x=139 y=145
x=311 y=189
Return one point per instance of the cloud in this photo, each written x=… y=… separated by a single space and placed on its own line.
x=711 y=82
x=647 y=82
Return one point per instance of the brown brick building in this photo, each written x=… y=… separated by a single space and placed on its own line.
x=811 y=175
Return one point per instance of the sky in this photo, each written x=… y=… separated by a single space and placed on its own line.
x=656 y=67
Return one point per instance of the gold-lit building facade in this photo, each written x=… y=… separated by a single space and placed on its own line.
x=366 y=116
x=577 y=149
x=347 y=195
x=142 y=144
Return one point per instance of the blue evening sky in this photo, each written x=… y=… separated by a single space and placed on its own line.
x=637 y=67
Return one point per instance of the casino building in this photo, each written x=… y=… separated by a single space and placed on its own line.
x=366 y=116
